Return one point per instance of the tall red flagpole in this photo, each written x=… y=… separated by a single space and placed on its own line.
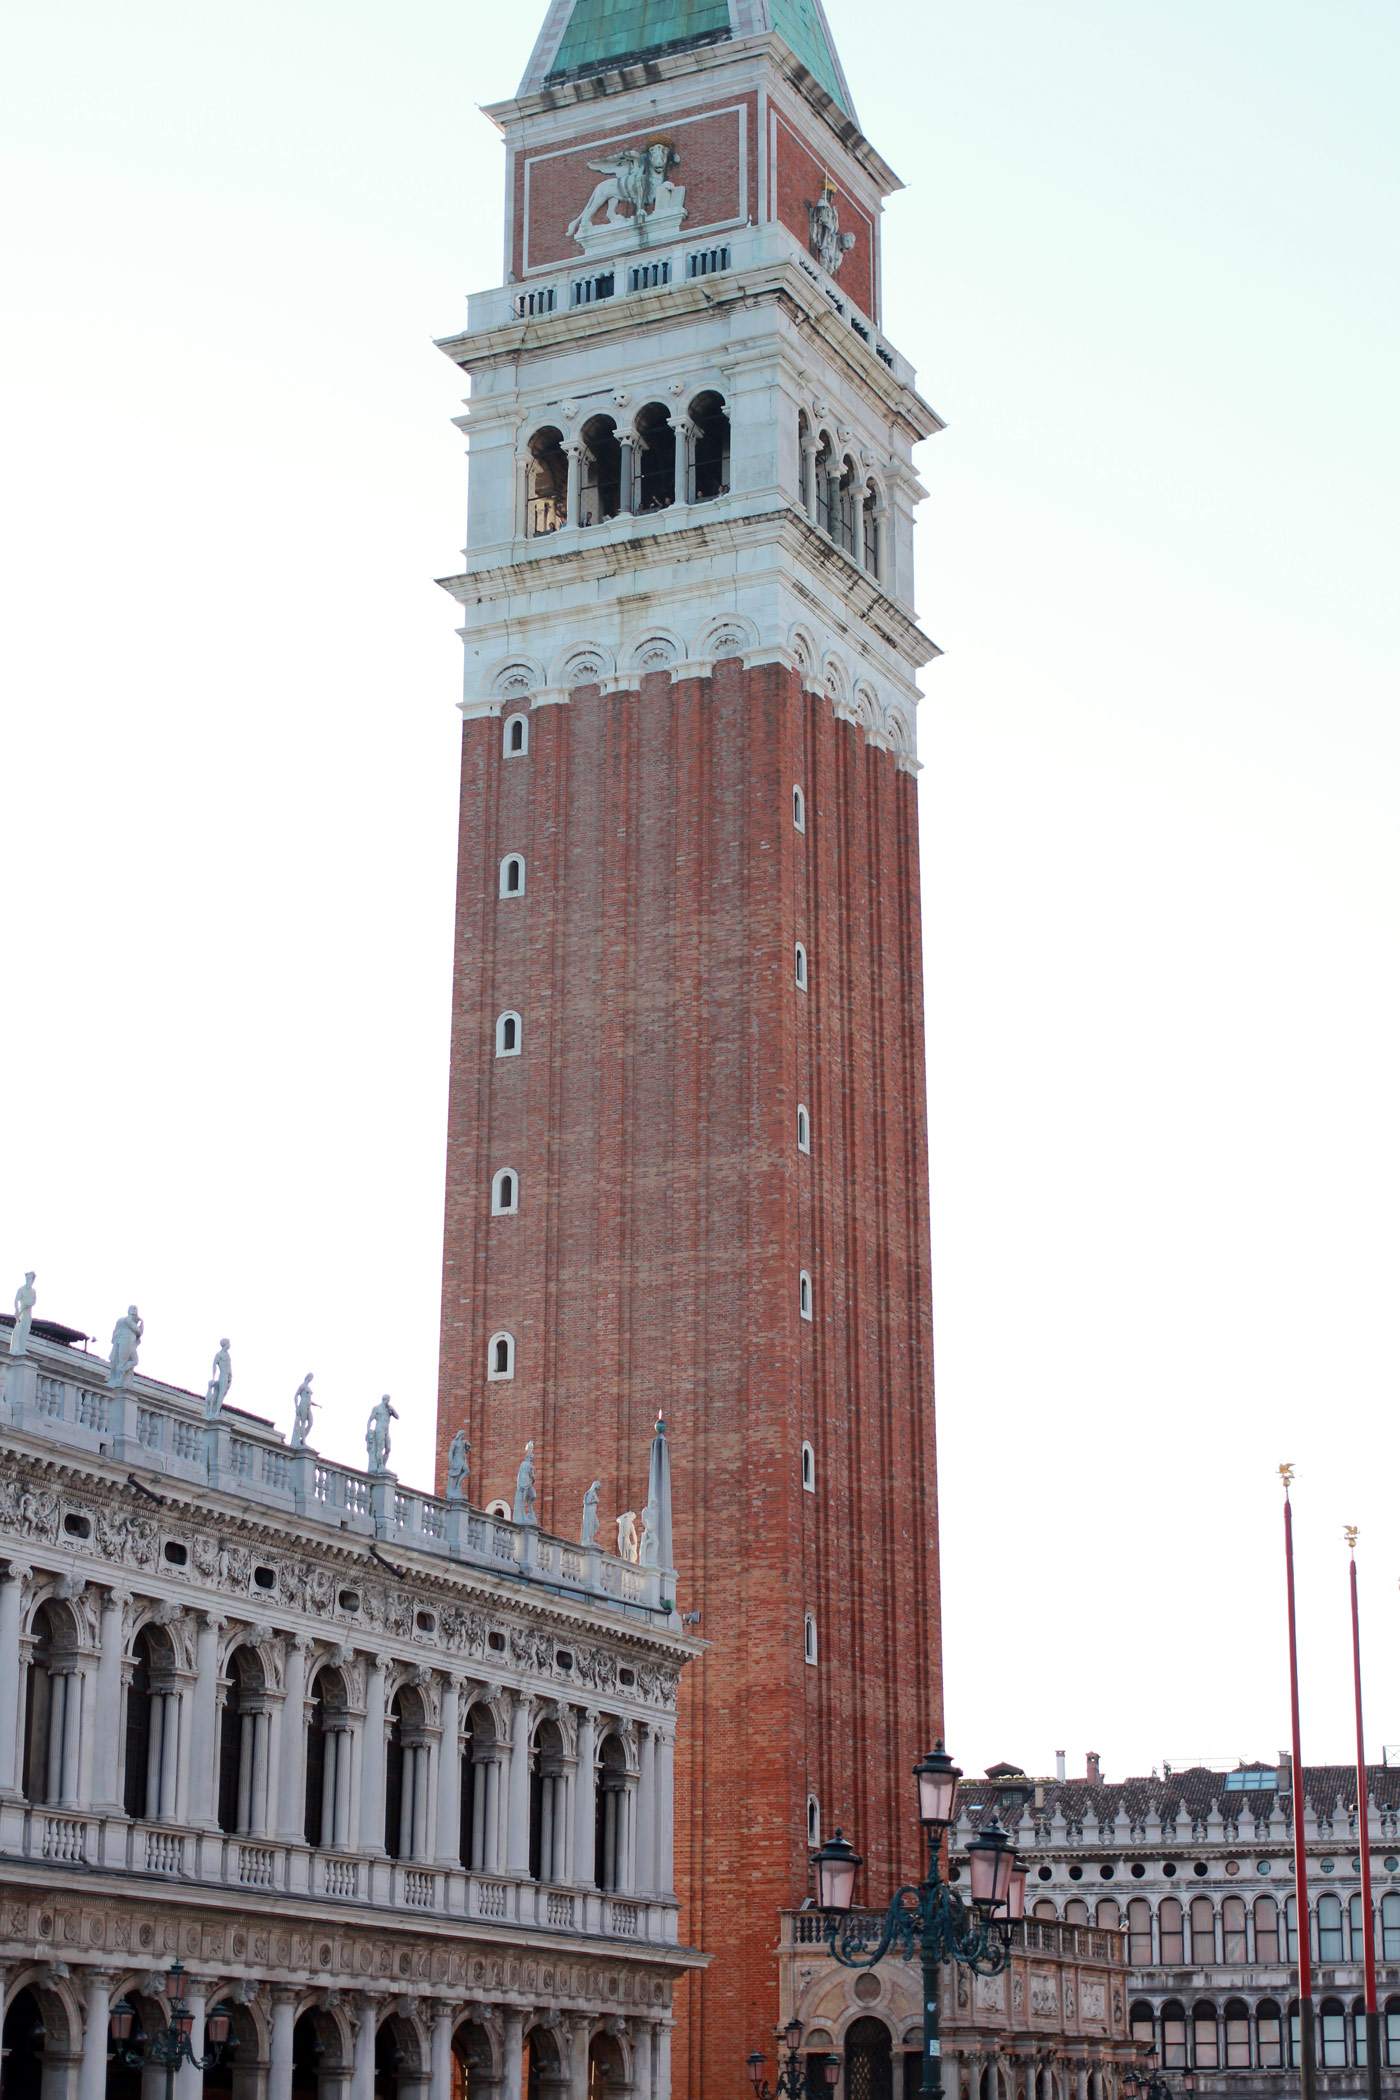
x=1363 y=1819
x=1307 y=2068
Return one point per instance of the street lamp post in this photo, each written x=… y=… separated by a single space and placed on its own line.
x=170 y=2045
x=933 y=1920
x=1149 y=2084
x=794 y=2072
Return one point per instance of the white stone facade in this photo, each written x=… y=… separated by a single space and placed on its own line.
x=391 y=1776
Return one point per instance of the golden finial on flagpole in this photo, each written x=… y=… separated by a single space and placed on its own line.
x=1285 y=1474
x=1349 y=1533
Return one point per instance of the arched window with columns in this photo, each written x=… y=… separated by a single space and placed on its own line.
x=245 y=1732
x=655 y=465
x=330 y=1762
x=151 y=1732
x=482 y=1753
x=408 y=1749
x=549 y=1805
x=612 y=1817
x=53 y=1706
x=709 y=448
x=1268 y=2028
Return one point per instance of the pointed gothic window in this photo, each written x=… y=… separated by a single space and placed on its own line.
x=500 y=1356
x=505 y=1193
x=800 y=966
x=513 y=875
x=517 y=736
x=508 y=1035
x=804 y=1294
x=804 y=1129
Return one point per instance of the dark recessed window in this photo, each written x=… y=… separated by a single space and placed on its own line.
x=425 y=1622
x=1043 y=1873
x=1105 y=1873
x=1076 y=1873
x=563 y=1658
x=628 y=1677
x=77 y=1527
x=349 y=1600
x=265 y=1578
x=175 y=1553
x=1138 y=1870
x=496 y=1642
x=1200 y=1867
x=1169 y=1868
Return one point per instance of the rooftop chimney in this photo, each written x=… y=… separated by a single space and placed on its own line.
x=1059 y=1764
x=1091 y=1768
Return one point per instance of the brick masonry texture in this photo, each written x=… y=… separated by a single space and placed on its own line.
x=561 y=181
x=799 y=178
x=665 y=1213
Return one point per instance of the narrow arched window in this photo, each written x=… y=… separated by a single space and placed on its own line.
x=508 y=1035
x=814 y=1820
x=804 y=1129
x=809 y=1468
x=500 y=1356
x=804 y=1294
x=505 y=1193
x=799 y=810
x=809 y=1637
x=513 y=875
x=517 y=736
x=800 y=966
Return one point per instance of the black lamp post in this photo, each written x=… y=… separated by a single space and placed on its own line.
x=933 y=1920
x=795 y=2079
x=169 y=2045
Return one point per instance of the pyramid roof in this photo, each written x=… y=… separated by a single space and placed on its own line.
x=587 y=36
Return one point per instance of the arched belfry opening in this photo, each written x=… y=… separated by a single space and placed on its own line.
x=709 y=448
x=656 y=461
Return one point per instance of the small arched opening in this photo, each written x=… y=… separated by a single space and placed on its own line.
x=321 y=2059
x=500 y=1356
x=607 y=2069
x=870 y=530
x=515 y=738
x=709 y=448
x=546 y=482
x=474 y=2066
x=828 y=478
x=601 y=494
x=847 y=500
x=869 y=2060
x=656 y=458
x=545 y=2072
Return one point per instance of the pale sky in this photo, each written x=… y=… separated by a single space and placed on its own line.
x=1146 y=268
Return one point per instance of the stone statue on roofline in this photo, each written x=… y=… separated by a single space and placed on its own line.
x=126 y=1347
x=825 y=238
x=220 y=1380
x=627 y=1535
x=25 y=1298
x=647 y=1553
x=588 y=1536
x=458 y=1459
x=524 y=1509
x=302 y=1405
x=377 y=1435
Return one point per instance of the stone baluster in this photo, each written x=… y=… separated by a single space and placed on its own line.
x=14 y=1587
x=279 y=2066
x=585 y=1800
x=449 y=1776
x=372 y=1762
x=518 y=1802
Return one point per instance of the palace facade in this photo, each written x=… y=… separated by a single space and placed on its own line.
x=391 y=1777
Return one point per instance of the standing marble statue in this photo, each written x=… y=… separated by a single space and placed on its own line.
x=588 y=1536
x=217 y=1390
x=458 y=1455
x=627 y=1535
x=126 y=1346
x=524 y=1510
x=377 y=1435
x=647 y=1553
x=301 y=1414
x=24 y=1313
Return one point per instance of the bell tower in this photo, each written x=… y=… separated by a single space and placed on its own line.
x=687 y=1157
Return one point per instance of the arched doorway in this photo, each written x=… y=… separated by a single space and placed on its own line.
x=321 y=2057
x=24 y=2039
x=607 y=2070
x=546 y=2077
x=869 y=2062
x=473 y=2064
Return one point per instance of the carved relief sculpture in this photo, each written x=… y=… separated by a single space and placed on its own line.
x=638 y=176
x=828 y=243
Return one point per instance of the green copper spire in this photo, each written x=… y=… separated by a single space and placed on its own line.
x=582 y=36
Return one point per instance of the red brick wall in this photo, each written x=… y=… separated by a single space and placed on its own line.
x=799 y=176
x=665 y=1214
x=718 y=145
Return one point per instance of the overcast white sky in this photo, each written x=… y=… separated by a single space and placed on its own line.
x=1146 y=267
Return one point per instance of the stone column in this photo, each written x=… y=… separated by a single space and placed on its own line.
x=512 y=2053
x=665 y=1812
x=290 y=1819
x=576 y=2065
x=627 y=493
x=645 y=1877
x=97 y=2004
x=366 y=2030
x=70 y=1788
x=881 y=542
x=170 y=1756
x=372 y=1764
x=585 y=1801
x=200 y=1801
x=440 y=2054
x=641 y=2056
x=279 y=2066
x=189 y=2083
x=663 y=2060
x=810 y=449
x=107 y=1747
x=575 y=486
x=518 y=1804
x=14 y=1587
x=952 y=2072
x=685 y=453
x=449 y=1778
